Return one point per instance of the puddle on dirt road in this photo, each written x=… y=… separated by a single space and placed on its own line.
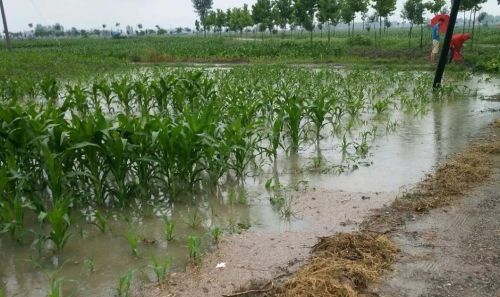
x=93 y=261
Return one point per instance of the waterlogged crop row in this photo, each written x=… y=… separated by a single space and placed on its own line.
x=155 y=135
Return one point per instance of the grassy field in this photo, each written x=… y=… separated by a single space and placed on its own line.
x=70 y=57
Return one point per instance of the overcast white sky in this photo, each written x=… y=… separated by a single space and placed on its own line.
x=94 y=13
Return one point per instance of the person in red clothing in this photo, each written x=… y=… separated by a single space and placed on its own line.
x=457 y=42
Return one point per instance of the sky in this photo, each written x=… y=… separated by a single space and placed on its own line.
x=88 y=14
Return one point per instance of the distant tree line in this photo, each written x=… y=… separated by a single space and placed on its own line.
x=57 y=30
x=271 y=15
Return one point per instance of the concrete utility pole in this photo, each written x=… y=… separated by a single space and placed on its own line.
x=446 y=46
x=5 y=28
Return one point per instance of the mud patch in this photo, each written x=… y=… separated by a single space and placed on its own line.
x=451 y=251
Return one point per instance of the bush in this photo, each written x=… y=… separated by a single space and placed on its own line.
x=359 y=40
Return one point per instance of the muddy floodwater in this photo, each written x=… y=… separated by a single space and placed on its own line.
x=93 y=261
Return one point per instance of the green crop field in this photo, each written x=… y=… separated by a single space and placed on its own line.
x=70 y=57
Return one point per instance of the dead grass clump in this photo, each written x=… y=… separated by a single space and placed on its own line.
x=451 y=179
x=340 y=265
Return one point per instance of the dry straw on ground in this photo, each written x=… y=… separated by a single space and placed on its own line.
x=453 y=178
x=341 y=265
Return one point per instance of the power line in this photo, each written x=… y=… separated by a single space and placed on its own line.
x=5 y=28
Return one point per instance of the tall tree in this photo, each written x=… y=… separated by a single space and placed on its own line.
x=262 y=15
x=220 y=20
x=202 y=7
x=305 y=11
x=283 y=12
x=347 y=14
x=413 y=11
x=239 y=19
x=435 y=6
x=384 y=8
x=329 y=13
x=357 y=6
x=210 y=20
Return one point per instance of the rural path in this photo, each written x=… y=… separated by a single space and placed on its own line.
x=452 y=251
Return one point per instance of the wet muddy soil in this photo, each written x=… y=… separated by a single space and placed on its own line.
x=258 y=257
x=453 y=251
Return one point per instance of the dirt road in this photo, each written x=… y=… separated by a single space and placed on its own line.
x=452 y=251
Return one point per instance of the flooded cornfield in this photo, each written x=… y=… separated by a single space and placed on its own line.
x=125 y=179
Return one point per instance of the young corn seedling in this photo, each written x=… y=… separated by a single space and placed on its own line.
x=12 y=216
x=344 y=146
x=123 y=89
x=382 y=105
x=59 y=220
x=55 y=287
x=106 y=92
x=124 y=282
x=195 y=219
x=160 y=268
x=100 y=221
x=292 y=106
x=317 y=109
x=144 y=96
x=216 y=234
x=117 y=152
x=194 y=248
x=132 y=239
x=168 y=227
x=77 y=98
x=50 y=91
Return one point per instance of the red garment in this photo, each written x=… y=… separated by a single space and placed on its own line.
x=457 y=42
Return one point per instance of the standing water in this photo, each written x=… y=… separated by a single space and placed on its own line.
x=93 y=260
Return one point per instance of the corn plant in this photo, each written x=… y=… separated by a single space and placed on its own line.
x=144 y=95
x=318 y=108
x=100 y=221
x=194 y=219
x=132 y=239
x=106 y=92
x=292 y=107
x=88 y=153
x=50 y=91
x=244 y=142
x=194 y=248
x=274 y=137
x=160 y=268
x=216 y=234
x=76 y=98
x=117 y=152
x=123 y=89
x=168 y=227
x=12 y=216
x=55 y=287
x=124 y=282
x=59 y=220
x=382 y=105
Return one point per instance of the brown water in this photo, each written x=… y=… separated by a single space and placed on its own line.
x=398 y=160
